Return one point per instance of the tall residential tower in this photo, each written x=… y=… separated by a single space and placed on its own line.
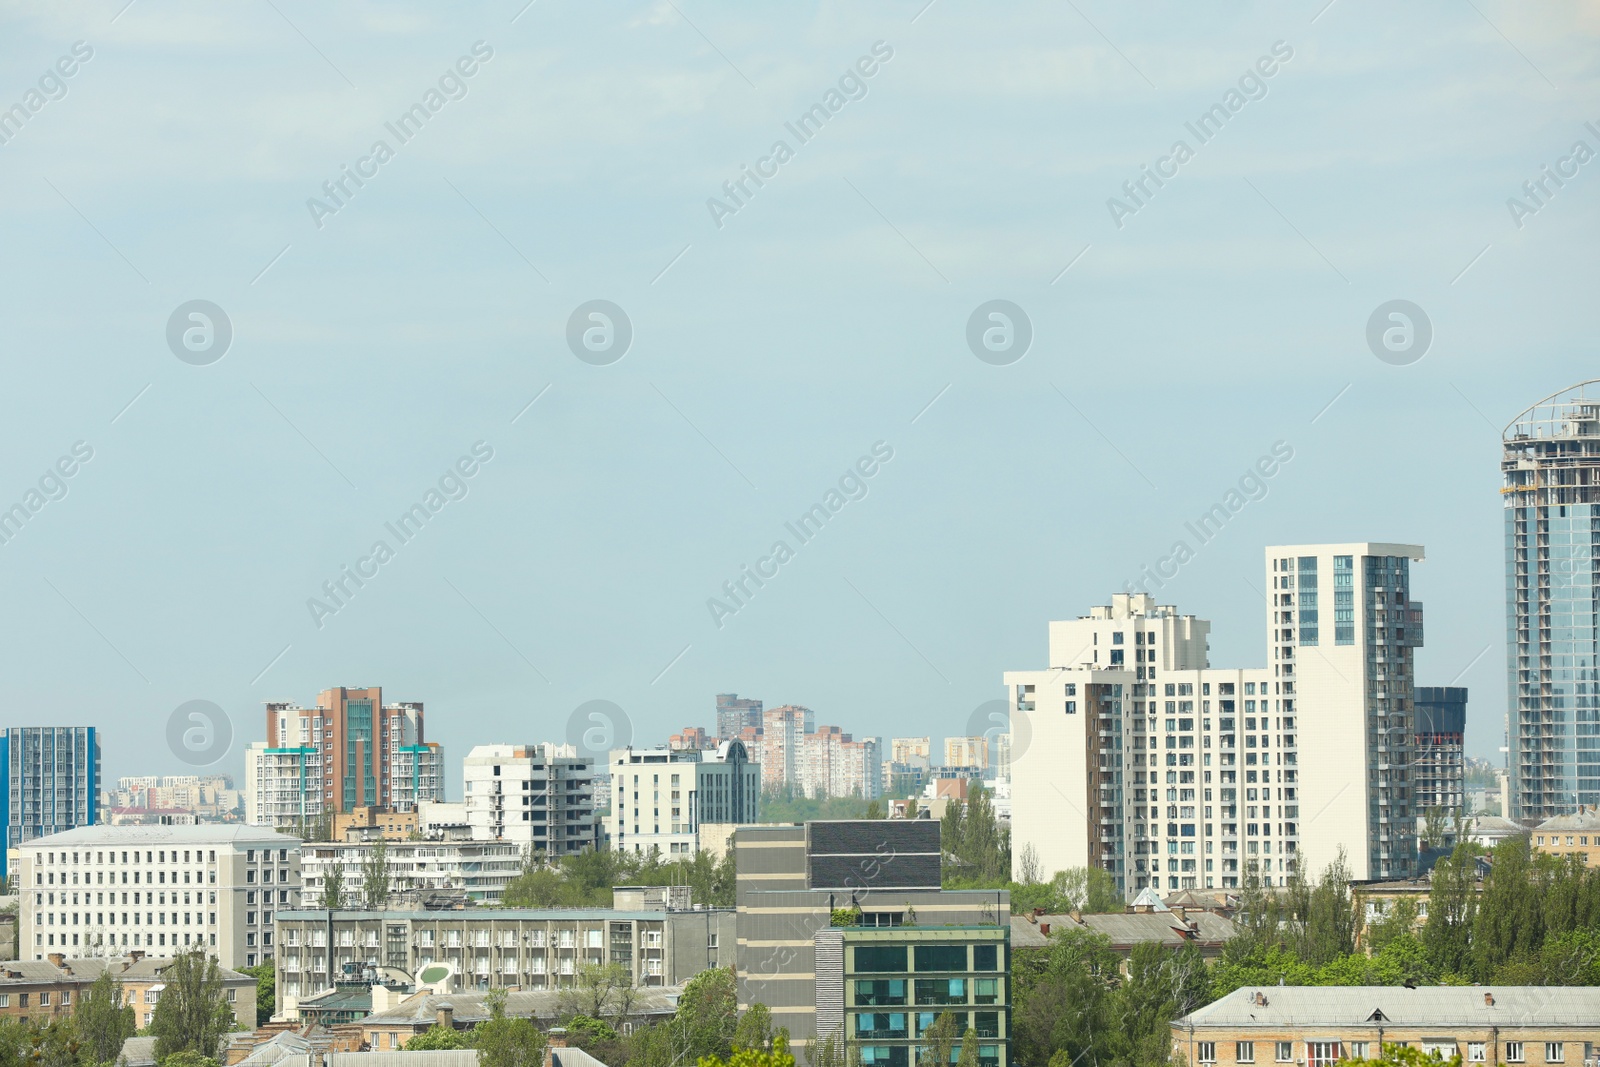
x=1550 y=460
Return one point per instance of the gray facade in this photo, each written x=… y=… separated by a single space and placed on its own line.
x=528 y=948
x=1438 y=773
x=792 y=878
x=735 y=715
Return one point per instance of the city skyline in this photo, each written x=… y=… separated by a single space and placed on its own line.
x=1182 y=313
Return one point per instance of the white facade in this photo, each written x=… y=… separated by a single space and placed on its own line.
x=1342 y=630
x=480 y=869
x=1142 y=760
x=833 y=764
x=662 y=797
x=104 y=890
x=540 y=796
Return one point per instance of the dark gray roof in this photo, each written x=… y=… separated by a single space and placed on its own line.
x=1431 y=1007
x=86 y=970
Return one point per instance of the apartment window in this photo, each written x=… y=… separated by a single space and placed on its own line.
x=1322 y=1053
x=1477 y=1052
x=1514 y=1052
x=1357 y=1050
x=1244 y=1052
x=1208 y=1052
x=1552 y=1052
x=1284 y=1052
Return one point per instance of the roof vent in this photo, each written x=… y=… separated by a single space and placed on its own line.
x=1488 y=1000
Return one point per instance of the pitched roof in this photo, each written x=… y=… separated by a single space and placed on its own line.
x=468 y=1008
x=1149 y=898
x=1583 y=820
x=1431 y=1007
x=84 y=970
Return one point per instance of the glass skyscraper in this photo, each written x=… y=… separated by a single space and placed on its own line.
x=1551 y=465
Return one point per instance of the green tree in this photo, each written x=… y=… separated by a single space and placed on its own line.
x=1161 y=985
x=939 y=1041
x=1405 y=1056
x=187 y=1058
x=104 y=1019
x=754 y=1029
x=436 y=1038
x=333 y=887
x=266 y=976
x=777 y=1056
x=1509 y=923
x=968 y=1056
x=375 y=877
x=507 y=1042
x=1398 y=917
x=1062 y=999
x=1452 y=911
x=594 y=989
x=193 y=1011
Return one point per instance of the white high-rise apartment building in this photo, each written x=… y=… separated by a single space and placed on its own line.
x=540 y=796
x=106 y=890
x=778 y=750
x=1342 y=629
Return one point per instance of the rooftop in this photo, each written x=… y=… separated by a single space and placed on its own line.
x=86 y=970
x=1126 y=929
x=468 y=1009
x=1434 y=1007
x=201 y=834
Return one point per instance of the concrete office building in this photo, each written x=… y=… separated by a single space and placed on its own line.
x=175 y=888
x=525 y=948
x=662 y=797
x=880 y=877
x=1439 y=768
x=1550 y=461
x=478 y=870
x=50 y=782
x=539 y=796
x=350 y=751
x=1343 y=632
x=734 y=716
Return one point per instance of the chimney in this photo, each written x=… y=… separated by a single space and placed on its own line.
x=57 y=958
x=446 y=1016
x=1488 y=1000
x=1044 y=928
x=556 y=1038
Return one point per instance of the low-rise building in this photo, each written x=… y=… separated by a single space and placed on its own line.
x=1174 y=928
x=160 y=889
x=40 y=990
x=487 y=948
x=478 y=869
x=392 y=1027
x=1317 y=1026
x=1571 y=835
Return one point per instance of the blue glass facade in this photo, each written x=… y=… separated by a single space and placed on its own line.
x=1551 y=466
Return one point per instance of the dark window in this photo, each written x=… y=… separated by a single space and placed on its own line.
x=984 y=959
x=939 y=957
x=880 y=958
x=987 y=1023
x=881 y=992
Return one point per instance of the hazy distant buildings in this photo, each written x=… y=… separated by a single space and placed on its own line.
x=967 y=752
x=350 y=751
x=537 y=796
x=49 y=782
x=1550 y=461
x=734 y=716
x=783 y=731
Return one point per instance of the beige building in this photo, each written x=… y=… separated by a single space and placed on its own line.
x=162 y=890
x=1571 y=835
x=966 y=752
x=1316 y=1026
x=41 y=990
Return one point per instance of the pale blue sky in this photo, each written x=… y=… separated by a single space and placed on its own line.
x=774 y=351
